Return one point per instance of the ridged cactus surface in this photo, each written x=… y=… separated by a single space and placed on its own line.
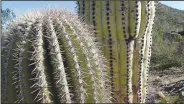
x=124 y=29
x=51 y=57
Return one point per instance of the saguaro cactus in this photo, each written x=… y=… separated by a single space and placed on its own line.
x=124 y=30
x=51 y=57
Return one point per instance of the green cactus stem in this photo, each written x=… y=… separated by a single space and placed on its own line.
x=52 y=57
x=124 y=30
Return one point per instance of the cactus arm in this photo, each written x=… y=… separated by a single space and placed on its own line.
x=130 y=49
x=58 y=66
x=144 y=18
x=143 y=61
x=141 y=67
x=137 y=55
x=148 y=49
x=141 y=46
x=138 y=14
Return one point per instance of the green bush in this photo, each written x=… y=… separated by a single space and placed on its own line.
x=165 y=54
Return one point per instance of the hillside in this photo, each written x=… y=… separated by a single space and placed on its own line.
x=169 y=24
x=168 y=18
x=167 y=61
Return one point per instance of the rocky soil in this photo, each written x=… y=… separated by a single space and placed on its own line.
x=166 y=86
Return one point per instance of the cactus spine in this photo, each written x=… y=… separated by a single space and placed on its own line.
x=51 y=57
x=124 y=30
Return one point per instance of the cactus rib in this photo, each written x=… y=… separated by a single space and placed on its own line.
x=57 y=61
x=94 y=54
x=76 y=64
x=89 y=64
x=38 y=62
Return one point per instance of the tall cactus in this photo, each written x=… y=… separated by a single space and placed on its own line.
x=124 y=30
x=51 y=57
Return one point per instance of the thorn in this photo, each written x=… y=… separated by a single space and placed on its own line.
x=33 y=79
x=39 y=99
x=61 y=95
x=34 y=91
x=58 y=81
x=34 y=70
x=34 y=85
x=14 y=83
x=36 y=97
x=34 y=63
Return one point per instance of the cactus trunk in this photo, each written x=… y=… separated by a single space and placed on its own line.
x=51 y=57
x=124 y=30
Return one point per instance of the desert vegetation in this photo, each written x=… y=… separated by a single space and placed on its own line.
x=167 y=61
